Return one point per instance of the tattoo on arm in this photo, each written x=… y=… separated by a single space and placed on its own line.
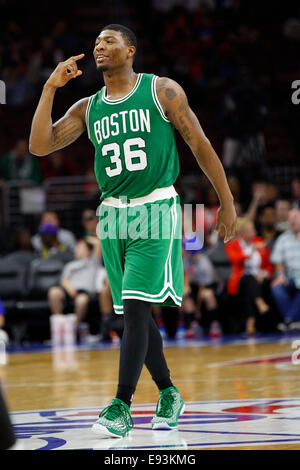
x=67 y=129
x=170 y=93
x=64 y=133
x=177 y=109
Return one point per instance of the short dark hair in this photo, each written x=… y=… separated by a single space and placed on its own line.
x=261 y=209
x=128 y=35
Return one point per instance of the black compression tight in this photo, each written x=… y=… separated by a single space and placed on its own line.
x=141 y=343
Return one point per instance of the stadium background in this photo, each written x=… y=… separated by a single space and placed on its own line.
x=212 y=48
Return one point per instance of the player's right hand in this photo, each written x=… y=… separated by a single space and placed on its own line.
x=65 y=71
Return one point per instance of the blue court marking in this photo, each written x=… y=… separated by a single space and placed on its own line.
x=178 y=342
x=53 y=443
x=140 y=405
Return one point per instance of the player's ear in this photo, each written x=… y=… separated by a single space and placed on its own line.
x=131 y=51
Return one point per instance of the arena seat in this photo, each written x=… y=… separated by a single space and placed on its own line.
x=21 y=257
x=43 y=274
x=12 y=282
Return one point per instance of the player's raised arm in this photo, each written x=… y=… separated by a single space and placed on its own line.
x=46 y=137
x=176 y=107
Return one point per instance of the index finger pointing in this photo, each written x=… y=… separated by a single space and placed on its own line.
x=77 y=57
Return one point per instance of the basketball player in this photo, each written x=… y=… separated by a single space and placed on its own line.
x=131 y=122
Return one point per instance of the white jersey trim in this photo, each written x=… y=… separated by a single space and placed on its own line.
x=156 y=100
x=121 y=100
x=157 y=195
x=87 y=114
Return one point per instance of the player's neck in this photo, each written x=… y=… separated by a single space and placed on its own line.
x=119 y=82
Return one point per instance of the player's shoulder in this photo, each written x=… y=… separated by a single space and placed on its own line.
x=164 y=82
x=168 y=88
x=79 y=107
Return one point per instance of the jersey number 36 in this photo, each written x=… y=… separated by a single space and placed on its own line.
x=135 y=159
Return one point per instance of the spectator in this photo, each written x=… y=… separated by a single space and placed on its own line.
x=64 y=237
x=286 y=285
x=58 y=164
x=282 y=207
x=22 y=240
x=251 y=269
x=51 y=246
x=200 y=288
x=19 y=90
x=295 y=190
x=89 y=222
x=259 y=190
x=266 y=218
x=245 y=113
x=43 y=62
x=80 y=280
x=110 y=321
x=19 y=164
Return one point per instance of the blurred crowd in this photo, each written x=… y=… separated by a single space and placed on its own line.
x=237 y=67
x=208 y=46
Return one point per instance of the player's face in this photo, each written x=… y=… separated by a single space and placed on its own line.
x=111 y=50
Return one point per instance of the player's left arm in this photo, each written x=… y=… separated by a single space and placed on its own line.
x=176 y=108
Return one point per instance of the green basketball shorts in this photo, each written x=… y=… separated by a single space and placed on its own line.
x=142 y=251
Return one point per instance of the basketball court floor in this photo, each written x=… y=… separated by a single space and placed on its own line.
x=240 y=393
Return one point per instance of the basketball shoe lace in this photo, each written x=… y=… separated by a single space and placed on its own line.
x=165 y=404
x=118 y=413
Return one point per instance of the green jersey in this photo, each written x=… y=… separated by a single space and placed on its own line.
x=135 y=148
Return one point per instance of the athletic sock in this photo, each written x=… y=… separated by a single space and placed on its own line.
x=125 y=393
x=162 y=384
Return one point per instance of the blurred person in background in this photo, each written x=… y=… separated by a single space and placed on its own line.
x=50 y=244
x=44 y=60
x=266 y=222
x=251 y=270
x=244 y=112
x=286 y=285
x=110 y=321
x=22 y=240
x=80 y=280
x=19 y=89
x=262 y=193
x=295 y=190
x=201 y=285
x=19 y=164
x=65 y=237
x=282 y=208
x=58 y=165
x=89 y=221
